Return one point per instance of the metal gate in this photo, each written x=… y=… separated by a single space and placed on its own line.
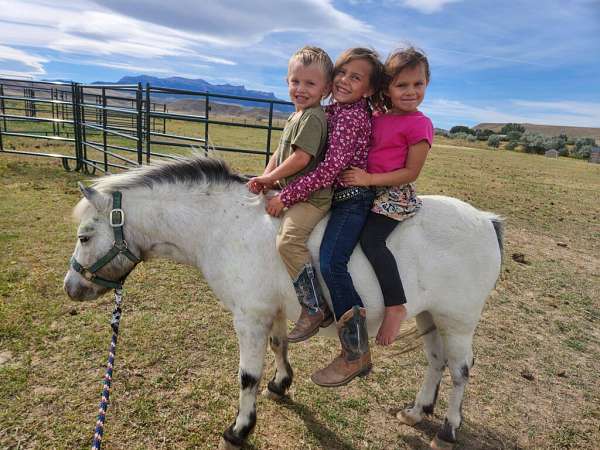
x=95 y=127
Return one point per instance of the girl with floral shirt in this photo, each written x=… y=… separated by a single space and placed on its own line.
x=402 y=137
x=358 y=74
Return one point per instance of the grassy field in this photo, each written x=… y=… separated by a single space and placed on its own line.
x=534 y=385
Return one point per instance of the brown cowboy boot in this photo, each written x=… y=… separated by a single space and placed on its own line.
x=355 y=358
x=315 y=312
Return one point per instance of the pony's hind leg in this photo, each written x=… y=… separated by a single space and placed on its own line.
x=459 y=352
x=282 y=380
x=252 y=337
x=434 y=351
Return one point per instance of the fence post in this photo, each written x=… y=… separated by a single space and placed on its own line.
x=148 y=124
x=206 y=112
x=76 y=126
x=3 y=113
x=104 y=125
x=140 y=134
x=269 y=134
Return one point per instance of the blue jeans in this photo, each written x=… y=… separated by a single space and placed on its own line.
x=341 y=236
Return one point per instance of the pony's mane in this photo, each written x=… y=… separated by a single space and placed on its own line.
x=196 y=170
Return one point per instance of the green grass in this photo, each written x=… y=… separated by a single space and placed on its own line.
x=175 y=383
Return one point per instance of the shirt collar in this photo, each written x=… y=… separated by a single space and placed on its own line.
x=360 y=104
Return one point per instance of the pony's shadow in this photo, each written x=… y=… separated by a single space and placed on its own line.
x=471 y=436
x=327 y=438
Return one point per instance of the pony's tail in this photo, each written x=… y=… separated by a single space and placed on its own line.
x=498 y=223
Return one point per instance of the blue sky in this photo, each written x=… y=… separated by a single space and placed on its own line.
x=534 y=61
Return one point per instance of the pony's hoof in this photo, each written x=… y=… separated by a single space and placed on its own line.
x=225 y=445
x=439 y=444
x=272 y=395
x=406 y=418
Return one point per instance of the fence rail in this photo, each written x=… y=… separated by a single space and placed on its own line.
x=101 y=127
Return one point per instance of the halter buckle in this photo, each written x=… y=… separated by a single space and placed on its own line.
x=117 y=217
x=88 y=275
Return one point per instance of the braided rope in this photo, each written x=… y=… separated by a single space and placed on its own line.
x=114 y=323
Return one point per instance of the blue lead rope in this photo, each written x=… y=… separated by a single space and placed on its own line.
x=114 y=324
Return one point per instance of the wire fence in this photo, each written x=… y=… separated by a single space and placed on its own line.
x=104 y=127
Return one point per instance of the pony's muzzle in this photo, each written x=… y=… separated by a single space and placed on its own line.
x=80 y=289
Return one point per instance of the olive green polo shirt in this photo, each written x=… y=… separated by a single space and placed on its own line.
x=306 y=130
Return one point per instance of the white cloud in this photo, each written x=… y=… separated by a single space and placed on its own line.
x=32 y=65
x=85 y=28
x=569 y=113
x=428 y=6
x=241 y=23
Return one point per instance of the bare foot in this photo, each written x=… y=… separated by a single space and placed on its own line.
x=393 y=317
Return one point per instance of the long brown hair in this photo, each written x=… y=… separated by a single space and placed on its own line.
x=376 y=77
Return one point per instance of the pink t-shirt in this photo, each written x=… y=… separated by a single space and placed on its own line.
x=392 y=135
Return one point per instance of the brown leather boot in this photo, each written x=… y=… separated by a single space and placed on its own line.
x=355 y=358
x=315 y=312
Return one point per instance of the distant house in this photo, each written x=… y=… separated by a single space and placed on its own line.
x=551 y=153
x=595 y=155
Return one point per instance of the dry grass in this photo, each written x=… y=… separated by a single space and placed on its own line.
x=175 y=380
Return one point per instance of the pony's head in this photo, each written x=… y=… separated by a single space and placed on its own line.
x=99 y=261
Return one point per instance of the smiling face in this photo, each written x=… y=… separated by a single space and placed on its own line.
x=407 y=89
x=307 y=85
x=352 y=81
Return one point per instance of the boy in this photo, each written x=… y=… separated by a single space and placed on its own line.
x=300 y=150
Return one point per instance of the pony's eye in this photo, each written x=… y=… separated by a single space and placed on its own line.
x=83 y=239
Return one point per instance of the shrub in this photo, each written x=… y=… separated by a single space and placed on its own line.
x=494 y=141
x=581 y=142
x=459 y=135
x=563 y=151
x=461 y=129
x=583 y=151
x=511 y=145
x=533 y=142
x=513 y=136
x=483 y=135
x=512 y=127
x=471 y=138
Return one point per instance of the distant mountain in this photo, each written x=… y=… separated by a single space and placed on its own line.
x=548 y=130
x=200 y=85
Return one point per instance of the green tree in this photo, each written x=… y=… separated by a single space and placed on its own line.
x=512 y=127
x=461 y=129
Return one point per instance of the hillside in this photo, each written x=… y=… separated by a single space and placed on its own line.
x=188 y=106
x=548 y=130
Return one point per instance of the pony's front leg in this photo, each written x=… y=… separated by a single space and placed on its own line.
x=282 y=380
x=252 y=335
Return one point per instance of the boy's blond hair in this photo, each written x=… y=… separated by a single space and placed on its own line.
x=314 y=55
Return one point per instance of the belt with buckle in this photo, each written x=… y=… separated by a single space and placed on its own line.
x=348 y=193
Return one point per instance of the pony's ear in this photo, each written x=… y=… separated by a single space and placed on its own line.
x=98 y=199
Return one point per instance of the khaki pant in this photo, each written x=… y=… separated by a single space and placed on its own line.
x=296 y=225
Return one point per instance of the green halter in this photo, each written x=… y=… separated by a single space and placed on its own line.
x=117 y=219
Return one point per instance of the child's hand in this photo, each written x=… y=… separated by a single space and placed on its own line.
x=356 y=177
x=260 y=184
x=275 y=206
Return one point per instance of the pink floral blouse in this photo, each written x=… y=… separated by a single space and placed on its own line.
x=349 y=135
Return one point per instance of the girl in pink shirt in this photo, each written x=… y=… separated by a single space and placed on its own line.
x=402 y=137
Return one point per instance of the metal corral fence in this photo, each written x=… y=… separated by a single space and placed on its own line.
x=102 y=127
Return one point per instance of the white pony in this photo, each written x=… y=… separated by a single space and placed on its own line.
x=197 y=212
